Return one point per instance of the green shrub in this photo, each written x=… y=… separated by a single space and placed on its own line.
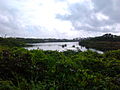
x=21 y=69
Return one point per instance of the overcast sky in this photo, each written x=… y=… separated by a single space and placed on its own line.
x=59 y=18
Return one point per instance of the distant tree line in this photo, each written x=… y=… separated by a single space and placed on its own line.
x=105 y=37
x=11 y=42
x=32 y=40
x=103 y=43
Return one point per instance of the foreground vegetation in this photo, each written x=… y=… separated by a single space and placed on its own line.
x=21 y=69
x=104 y=43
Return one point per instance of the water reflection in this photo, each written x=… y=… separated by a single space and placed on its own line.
x=59 y=46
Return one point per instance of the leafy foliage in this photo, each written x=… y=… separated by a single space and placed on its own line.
x=21 y=69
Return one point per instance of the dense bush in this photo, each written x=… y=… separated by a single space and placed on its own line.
x=21 y=69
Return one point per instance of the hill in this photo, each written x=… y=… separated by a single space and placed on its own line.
x=103 y=43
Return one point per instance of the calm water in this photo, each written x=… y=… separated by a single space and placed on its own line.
x=58 y=46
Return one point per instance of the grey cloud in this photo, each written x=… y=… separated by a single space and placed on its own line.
x=9 y=20
x=83 y=14
x=110 y=8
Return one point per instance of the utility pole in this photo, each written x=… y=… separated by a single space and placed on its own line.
x=5 y=36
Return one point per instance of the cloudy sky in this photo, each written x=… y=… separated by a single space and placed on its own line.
x=59 y=18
